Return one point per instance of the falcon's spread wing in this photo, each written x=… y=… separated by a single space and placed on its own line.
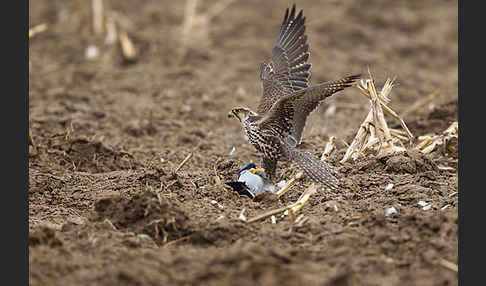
x=310 y=99
x=287 y=70
x=289 y=114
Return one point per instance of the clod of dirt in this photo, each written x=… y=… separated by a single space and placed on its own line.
x=445 y=112
x=224 y=165
x=411 y=162
x=218 y=233
x=144 y=213
x=138 y=128
x=44 y=236
x=152 y=176
x=252 y=264
x=411 y=189
x=227 y=169
x=332 y=206
x=267 y=197
x=435 y=121
x=93 y=156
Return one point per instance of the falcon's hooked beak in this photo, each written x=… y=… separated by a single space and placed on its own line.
x=234 y=113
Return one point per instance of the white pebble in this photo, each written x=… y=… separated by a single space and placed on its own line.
x=242 y=215
x=285 y=213
x=213 y=202
x=91 y=52
x=143 y=236
x=389 y=187
x=232 y=151
x=427 y=207
x=422 y=203
x=390 y=211
x=274 y=220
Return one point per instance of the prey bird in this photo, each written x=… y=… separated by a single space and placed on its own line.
x=276 y=128
x=251 y=181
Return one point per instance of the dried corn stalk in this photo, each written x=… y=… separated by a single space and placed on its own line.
x=109 y=24
x=291 y=209
x=448 y=140
x=195 y=26
x=32 y=32
x=374 y=136
x=37 y=29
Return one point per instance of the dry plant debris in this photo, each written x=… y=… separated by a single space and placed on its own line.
x=31 y=138
x=37 y=29
x=98 y=11
x=448 y=264
x=374 y=136
x=109 y=24
x=32 y=32
x=188 y=157
x=128 y=49
x=292 y=208
x=195 y=26
x=448 y=140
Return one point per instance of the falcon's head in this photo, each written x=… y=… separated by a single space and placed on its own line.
x=242 y=113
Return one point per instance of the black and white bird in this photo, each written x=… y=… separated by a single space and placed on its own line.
x=251 y=181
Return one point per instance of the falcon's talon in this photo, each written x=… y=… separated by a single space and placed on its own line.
x=287 y=100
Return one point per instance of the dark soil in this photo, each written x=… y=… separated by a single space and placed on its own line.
x=105 y=207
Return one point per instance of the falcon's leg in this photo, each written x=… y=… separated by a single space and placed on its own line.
x=270 y=166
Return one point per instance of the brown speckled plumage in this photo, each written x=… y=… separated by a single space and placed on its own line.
x=287 y=100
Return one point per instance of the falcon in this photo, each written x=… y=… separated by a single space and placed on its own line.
x=275 y=129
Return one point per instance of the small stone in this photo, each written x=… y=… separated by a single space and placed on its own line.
x=91 y=52
x=242 y=215
x=390 y=211
x=422 y=203
x=445 y=207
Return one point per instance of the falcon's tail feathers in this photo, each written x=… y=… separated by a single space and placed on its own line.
x=315 y=169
